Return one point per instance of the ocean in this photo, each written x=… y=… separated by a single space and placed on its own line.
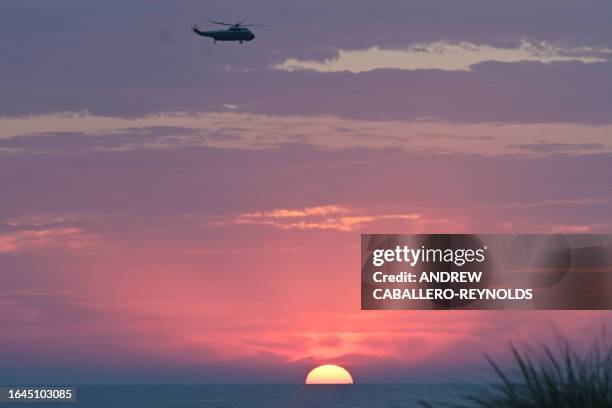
x=261 y=396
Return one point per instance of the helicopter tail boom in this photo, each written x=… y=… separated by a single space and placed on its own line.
x=197 y=30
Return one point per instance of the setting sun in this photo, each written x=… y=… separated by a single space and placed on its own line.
x=329 y=374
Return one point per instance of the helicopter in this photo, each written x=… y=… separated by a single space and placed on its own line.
x=235 y=32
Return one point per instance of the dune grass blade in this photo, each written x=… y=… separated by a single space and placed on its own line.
x=559 y=378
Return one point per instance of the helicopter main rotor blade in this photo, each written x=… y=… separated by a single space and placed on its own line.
x=220 y=23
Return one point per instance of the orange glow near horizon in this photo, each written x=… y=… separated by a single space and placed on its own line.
x=329 y=374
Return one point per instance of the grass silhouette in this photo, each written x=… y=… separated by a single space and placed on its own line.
x=560 y=378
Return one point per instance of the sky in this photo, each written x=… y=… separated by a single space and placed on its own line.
x=175 y=210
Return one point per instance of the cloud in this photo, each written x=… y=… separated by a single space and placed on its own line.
x=67 y=134
x=327 y=217
x=133 y=185
x=331 y=340
x=298 y=213
x=147 y=137
x=551 y=148
x=43 y=231
x=189 y=74
x=570 y=229
x=67 y=238
x=525 y=92
x=445 y=56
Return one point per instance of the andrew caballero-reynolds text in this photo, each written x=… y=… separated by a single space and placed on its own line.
x=461 y=283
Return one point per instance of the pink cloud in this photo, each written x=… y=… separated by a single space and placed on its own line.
x=326 y=217
x=65 y=237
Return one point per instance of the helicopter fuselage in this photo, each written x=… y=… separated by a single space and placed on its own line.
x=231 y=34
